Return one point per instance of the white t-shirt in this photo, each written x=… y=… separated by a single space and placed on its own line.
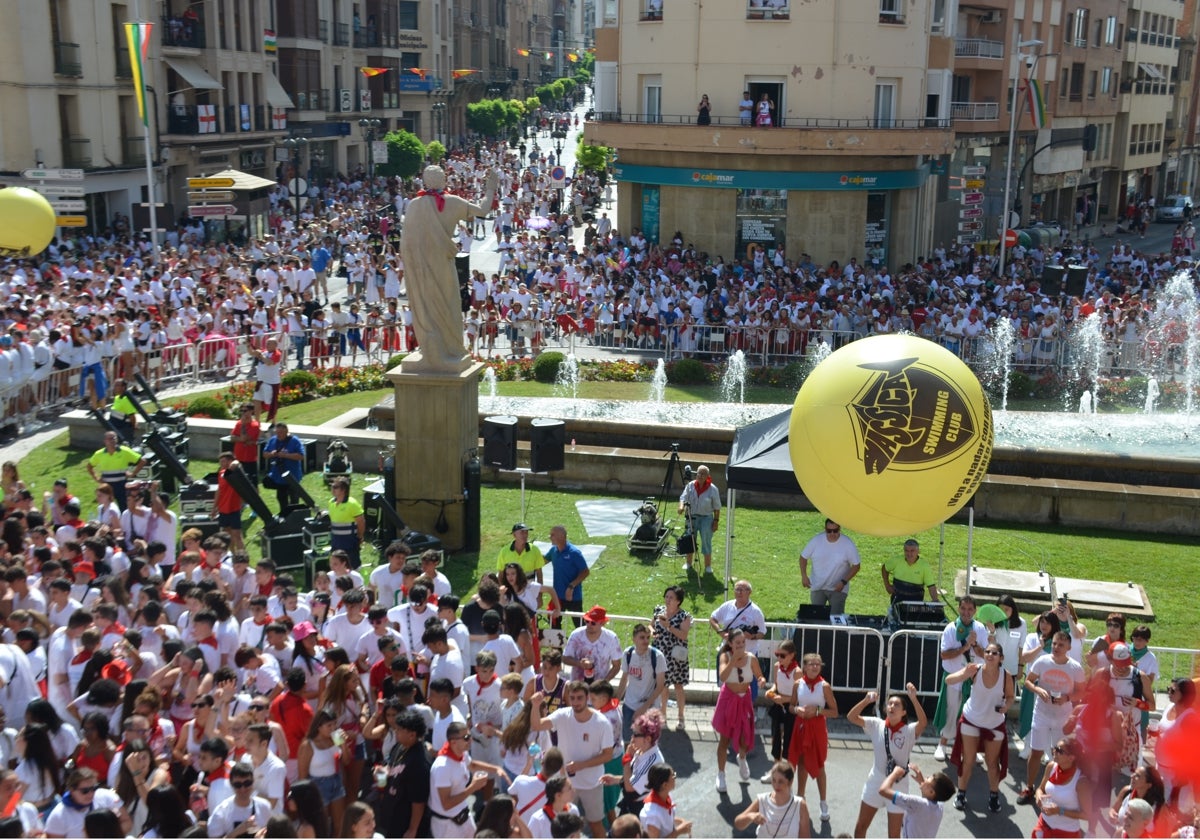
x=1059 y=680
x=950 y=642
x=269 y=778
x=448 y=773
x=729 y=615
x=387 y=584
x=345 y=635
x=901 y=742
x=68 y=822
x=583 y=740
x=227 y=815
x=922 y=816
x=829 y=563
x=602 y=652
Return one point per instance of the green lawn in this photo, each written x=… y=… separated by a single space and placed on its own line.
x=768 y=541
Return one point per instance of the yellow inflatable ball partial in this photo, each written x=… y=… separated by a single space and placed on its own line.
x=890 y=435
x=26 y=222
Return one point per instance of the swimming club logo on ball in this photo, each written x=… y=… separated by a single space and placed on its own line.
x=890 y=435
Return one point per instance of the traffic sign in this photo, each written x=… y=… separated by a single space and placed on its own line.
x=974 y=183
x=57 y=189
x=212 y=210
x=70 y=221
x=970 y=213
x=211 y=195
x=53 y=174
x=1010 y=238
x=206 y=183
x=972 y=198
x=61 y=206
x=965 y=238
x=968 y=226
x=974 y=170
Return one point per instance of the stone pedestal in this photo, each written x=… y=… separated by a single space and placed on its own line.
x=437 y=429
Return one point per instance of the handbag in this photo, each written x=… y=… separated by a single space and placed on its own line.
x=680 y=653
x=686 y=544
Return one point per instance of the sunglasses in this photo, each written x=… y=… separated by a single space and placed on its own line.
x=1063 y=751
x=89 y=789
x=199 y=705
x=833 y=530
x=242 y=785
x=258 y=707
x=781 y=655
x=1112 y=624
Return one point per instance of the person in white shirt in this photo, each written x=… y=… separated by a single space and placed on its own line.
x=346 y=628
x=387 y=579
x=593 y=647
x=962 y=639
x=585 y=738
x=270 y=772
x=83 y=795
x=242 y=814
x=835 y=562
x=451 y=784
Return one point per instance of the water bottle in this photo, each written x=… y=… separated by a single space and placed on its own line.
x=535 y=753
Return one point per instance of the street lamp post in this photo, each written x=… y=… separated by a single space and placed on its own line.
x=370 y=129
x=439 y=112
x=296 y=185
x=558 y=152
x=1012 y=133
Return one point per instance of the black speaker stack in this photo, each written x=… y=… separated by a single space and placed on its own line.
x=546 y=443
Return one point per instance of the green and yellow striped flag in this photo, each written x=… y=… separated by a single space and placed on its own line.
x=138 y=35
x=1037 y=103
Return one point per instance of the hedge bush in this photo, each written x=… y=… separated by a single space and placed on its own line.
x=545 y=366
x=302 y=379
x=208 y=407
x=394 y=361
x=688 y=372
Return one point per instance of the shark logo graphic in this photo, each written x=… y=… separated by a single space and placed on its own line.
x=909 y=416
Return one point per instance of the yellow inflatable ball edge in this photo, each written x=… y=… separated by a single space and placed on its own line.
x=890 y=435
x=26 y=222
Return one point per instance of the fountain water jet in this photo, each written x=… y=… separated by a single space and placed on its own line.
x=487 y=382
x=1000 y=363
x=658 y=384
x=733 y=378
x=566 y=381
x=1151 y=394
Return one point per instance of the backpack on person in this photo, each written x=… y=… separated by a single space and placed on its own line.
x=653 y=661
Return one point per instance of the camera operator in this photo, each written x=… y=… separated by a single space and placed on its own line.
x=285 y=454
x=703 y=502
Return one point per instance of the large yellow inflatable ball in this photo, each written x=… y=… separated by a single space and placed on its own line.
x=890 y=435
x=26 y=222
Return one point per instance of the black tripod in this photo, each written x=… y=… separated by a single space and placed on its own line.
x=651 y=529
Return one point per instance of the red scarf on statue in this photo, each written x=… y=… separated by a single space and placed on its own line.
x=439 y=198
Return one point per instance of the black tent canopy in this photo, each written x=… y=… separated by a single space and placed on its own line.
x=760 y=460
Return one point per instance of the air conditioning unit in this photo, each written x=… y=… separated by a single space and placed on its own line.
x=346 y=99
x=994 y=16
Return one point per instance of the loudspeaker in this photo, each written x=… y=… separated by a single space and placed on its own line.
x=1076 y=280
x=546 y=444
x=1052 y=280
x=500 y=442
x=462 y=267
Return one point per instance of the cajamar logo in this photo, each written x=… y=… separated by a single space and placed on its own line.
x=909 y=416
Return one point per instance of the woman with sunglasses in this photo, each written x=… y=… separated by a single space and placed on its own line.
x=1114 y=626
x=1146 y=784
x=348 y=700
x=733 y=718
x=779 y=695
x=983 y=719
x=1064 y=798
x=813 y=700
x=82 y=793
x=242 y=814
x=779 y=813
x=194 y=732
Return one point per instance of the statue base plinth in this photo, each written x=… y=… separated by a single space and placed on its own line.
x=437 y=431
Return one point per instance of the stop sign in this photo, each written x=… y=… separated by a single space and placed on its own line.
x=1010 y=238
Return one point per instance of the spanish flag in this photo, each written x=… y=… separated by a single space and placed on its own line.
x=373 y=71
x=420 y=71
x=458 y=74
x=524 y=53
x=138 y=36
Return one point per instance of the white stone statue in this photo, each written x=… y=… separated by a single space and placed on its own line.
x=428 y=248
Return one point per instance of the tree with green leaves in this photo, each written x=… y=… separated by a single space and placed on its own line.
x=592 y=158
x=406 y=154
x=435 y=151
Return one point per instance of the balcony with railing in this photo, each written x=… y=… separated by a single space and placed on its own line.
x=133 y=151
x=341 y=34
x=974 y=111
x=323 y=31
x=795 y=136
x=77 y=152
x=67 y=61
x=184 y=31
x=364 y=38
x=978 y=48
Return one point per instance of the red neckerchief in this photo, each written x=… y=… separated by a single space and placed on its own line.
x=653 y=799
x=892 y=730
x=609 y=706
x=439 y=197
x=1059 y=776
x=115 y=628
x=81 y=657
x=548 y=810
x=1145 y=833
x=264 y=622
x=812 y=683
x=789 y=669
x=700 y=488
x=449 y=753
x=209 y=778
x=266 y=589
x=211 y=641
x=483 y=685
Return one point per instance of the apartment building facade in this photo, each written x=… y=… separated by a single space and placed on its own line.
x=859 y=111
